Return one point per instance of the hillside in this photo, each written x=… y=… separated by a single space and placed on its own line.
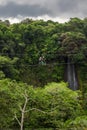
x=35 y=53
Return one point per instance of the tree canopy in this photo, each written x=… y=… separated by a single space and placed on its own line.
x=50 y=103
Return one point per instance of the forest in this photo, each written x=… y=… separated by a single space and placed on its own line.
x=35 y=59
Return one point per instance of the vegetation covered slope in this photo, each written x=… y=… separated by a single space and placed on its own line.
x=21 y=46
x=54 y=106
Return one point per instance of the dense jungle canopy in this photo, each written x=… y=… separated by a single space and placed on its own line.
x=21 y=46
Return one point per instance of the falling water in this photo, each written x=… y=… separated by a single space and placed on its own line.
x=71 y=75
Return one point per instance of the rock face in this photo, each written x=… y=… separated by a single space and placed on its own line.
x=71 y=75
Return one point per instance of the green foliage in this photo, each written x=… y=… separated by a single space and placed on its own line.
x=59 y=104
x=2 y=75
x=11 y=98
x=7 y=66
x=73 y=45
x=28 y=40
x=56 y=103
x=80 y=123
x=21 y=45
x=42 y=74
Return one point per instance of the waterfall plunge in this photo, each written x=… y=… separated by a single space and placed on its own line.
x=71 y=75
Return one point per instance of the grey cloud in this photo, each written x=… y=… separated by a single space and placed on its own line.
x=13 y=9
x=67 y=5
x=69 y=8
x=53 y=8
x=64 y=8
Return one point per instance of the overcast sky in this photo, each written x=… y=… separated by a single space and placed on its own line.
x=58 y=10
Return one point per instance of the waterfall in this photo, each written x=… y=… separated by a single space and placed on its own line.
x=71 y=75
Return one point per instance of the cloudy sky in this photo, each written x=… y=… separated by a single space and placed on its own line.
x=57 y=10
